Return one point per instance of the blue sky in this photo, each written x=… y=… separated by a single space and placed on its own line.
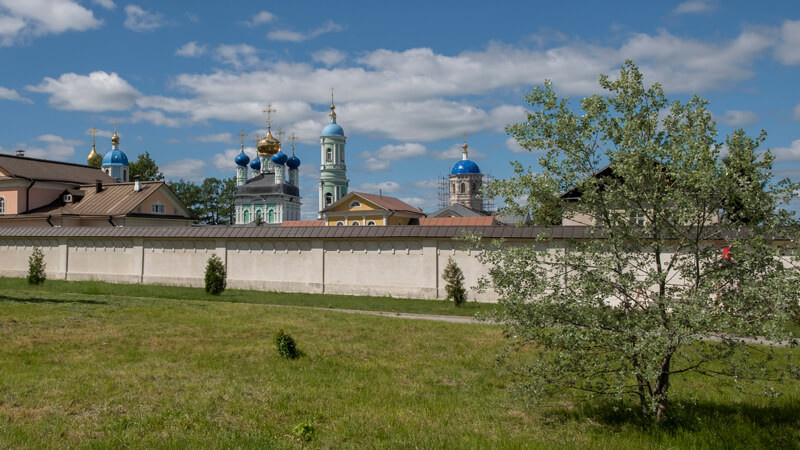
x=183 y=78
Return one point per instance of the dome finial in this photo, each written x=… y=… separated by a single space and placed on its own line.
x=269 y=112
x=464 y=155
x=293 y=138
x=115 y=137
x=333 y=109
x=242 y=135
x=94 y=159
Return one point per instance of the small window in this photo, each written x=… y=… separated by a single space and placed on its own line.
x=355 y=224
x=329 y=155
x=2 y=205
x=342 y=153
x=355 y=204
x=473 y=187
x=463 y=187
x=328 y=199
x=639 y=219
x=371 y=223
x=157 y=208
x=246 y=216
x=339 y=223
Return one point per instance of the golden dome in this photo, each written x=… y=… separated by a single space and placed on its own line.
x=115 y=138
x=268 y=145
x=94 y=159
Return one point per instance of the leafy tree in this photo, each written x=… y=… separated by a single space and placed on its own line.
x=145 y=168
x=215 y=275
x=190 y=195
x=454 y=278
x=634 y=302
x=36 y=266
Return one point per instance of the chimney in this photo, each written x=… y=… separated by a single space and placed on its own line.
x=98 y=186
x=137 y=185
x=380 y=193
x=21 y=153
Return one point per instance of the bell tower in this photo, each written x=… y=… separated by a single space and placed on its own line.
x=333 y=180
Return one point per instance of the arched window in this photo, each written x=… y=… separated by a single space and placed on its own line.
x=355 y=204
x=328 y=199
x=463 y=187
x=246 y=217
x=371 y=223
x=339 y=224
x=271 y=216
x=473 y=187
x=2 y=205
x=342 y=153
x=329 y=155
x=355 y=223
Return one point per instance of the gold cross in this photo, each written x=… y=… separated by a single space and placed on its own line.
x=93 y=130
x=280 y=134
x=115 y=127
x=242 y=135
x=269 y=112
x=331 y=96
x=293 y=138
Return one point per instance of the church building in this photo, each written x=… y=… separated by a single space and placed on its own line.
x=267 y=196
x=333 y=180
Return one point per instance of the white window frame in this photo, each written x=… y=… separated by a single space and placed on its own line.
x=2 y=205
x=371 y=223
x=355 y=224
x=158 y=208
x=355 y=204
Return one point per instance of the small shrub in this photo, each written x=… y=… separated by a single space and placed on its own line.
x=285 y=345
x=454 y=278
x=36 y=267
x=215 y=276
x=304 y=431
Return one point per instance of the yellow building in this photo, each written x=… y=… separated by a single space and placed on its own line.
x=359 y=209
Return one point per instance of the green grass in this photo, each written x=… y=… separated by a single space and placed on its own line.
x=387 y=304
x=107 y=370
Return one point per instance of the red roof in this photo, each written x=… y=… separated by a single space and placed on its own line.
x=390 y=203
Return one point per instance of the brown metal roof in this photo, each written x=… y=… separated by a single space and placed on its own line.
x=45 y=170
x=457 y=221
x=303 y=223
x=233 y=232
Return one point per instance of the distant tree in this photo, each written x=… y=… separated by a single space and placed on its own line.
x=633 y=302
x=145 y=168
x=215 y=275
x=36 y=266
x=190 y=195
x=210 y=202
x=454 y=279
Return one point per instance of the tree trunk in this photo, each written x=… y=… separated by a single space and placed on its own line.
x=660 y=393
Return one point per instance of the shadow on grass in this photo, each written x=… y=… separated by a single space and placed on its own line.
x=727 y=425
x=6 y=298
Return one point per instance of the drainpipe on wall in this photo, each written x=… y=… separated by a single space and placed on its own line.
x=48 y=221
x=111 y=221
x=28 y=195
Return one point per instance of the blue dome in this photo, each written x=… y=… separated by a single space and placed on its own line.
x=242 y=159
x=293 y=162
x=256 y=164
x=115 y=158
x=279 y=158
x=332 y=129
x=465 y=166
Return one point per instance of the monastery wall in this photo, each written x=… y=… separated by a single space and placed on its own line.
x=401 y=261
x=404 y=267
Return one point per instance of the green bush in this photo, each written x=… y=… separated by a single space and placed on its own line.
x=454 y=278
x=304 y=431
x=285 y=345
x=36 y=267
x=215 y=276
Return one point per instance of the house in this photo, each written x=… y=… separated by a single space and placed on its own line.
x=358 y=208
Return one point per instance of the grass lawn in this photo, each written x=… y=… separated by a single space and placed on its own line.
x=106 y=370
x=100 y=288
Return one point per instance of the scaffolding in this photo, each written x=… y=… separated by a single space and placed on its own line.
x=444 y=193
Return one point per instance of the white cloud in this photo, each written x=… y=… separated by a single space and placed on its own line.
x=56 y=147
x=20 y=19
x=738 y=118
x=380 y=160
x=788 y=49
x=261 y=18
x=296 y=36
x=192 y=17
x=425 y=184
x=99 y=91
x=10 y=94
x=156 y=118
x=184 y=169
x=239 y=56
x=224 y=161
x=696 y=7
x=224 y=138
x=417 y=202
x=141 y=20
x=455 y=152
x=107 y=4
x=514 y=146
x=329 y=56
x=790 y=153
x=191 y=50
x=387 y=187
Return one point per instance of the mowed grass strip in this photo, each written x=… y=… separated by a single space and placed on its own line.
x=363 y=303
x=110 y=371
